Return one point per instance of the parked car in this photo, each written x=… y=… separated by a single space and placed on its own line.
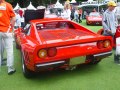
x=94 y=18
x=51 y=43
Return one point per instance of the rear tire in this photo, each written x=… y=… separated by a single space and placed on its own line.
x=93 y=60
x=27 y=73
x=87 y=23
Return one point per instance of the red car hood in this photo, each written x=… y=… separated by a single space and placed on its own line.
x=95 y=18
x=65 y=37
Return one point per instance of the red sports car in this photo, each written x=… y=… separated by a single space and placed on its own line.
x=50 y=43
x=94 y=18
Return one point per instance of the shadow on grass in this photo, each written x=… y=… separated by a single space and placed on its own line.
x=82 y=70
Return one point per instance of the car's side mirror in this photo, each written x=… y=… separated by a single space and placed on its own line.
x=26 y=29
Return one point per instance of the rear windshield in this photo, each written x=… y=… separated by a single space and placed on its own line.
x=54 y=25
x=95 y=14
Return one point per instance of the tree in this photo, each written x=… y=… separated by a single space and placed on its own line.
x=25 y=3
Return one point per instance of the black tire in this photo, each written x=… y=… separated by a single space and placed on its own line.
x=93 y=60
x=87 y=23
x=27 y=73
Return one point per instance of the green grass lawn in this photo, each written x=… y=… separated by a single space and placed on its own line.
x=93 y=28
x=104 y=76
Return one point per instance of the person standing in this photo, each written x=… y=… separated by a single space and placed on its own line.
x=7 y=21
x=85 y=14
x=94 y=10
x=80 y=14
x=72 y=12
x=102 y=11
x=109 y=20
x=76 y=14
x=109 y=23
x=66 y=12
x=21 y=13
x=18 y=20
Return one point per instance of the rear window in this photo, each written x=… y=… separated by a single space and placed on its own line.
x=95 y=14
x=54 y=25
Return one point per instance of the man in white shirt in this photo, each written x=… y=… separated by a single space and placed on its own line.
x=110 y=24
x=109 y=20
x=18 y=20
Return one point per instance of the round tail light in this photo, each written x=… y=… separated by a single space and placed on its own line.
x=103 y=44
x=42 y=53
x=106 y=43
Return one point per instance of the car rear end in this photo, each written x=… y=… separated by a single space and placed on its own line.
x=62 y=53
x=94 y=20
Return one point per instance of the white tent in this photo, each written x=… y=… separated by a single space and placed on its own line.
x=31 y=7
x=90 y=0
x=23 y=9
x=41 y=7
x=73 y=1
x=58 y=5
x=17 y=7
x=106 y=0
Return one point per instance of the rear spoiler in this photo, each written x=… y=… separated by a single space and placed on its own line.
x=33 y=14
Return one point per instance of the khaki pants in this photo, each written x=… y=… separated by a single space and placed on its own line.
x=8 y=45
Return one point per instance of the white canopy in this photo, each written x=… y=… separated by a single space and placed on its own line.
x=73 y=1
x=23 y=9
x=41 y=7
x=17 y=7
x=90 y=0
x=58 y=5
x=31 y=7
x=106 y=0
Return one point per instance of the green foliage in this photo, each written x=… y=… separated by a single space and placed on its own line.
x=24 y=3
x=9 y=1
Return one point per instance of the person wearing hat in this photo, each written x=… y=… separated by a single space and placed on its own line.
x=110 y=23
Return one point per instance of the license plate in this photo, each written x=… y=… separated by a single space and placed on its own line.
x=77 y=60
x=97 y=23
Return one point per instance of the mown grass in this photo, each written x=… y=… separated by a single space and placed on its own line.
x=104 y=76
x=91 y=27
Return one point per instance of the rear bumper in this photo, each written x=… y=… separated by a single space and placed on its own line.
x=44 y=66
x=102 y=55
x=55 y=64
x=95 y=22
